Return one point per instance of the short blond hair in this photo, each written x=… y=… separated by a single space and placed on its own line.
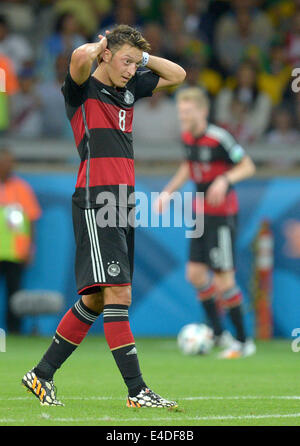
x=194 y=94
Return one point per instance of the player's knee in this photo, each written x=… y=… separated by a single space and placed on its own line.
x=94 y=302
x=196 y=275
x=224 y=282
x=117 y=295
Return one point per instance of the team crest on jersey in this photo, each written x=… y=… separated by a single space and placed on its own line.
x=128 y=97
x=113 y=269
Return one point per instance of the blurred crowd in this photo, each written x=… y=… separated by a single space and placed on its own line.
x=242 y=52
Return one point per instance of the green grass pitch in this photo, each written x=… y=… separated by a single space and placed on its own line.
x=260 y=390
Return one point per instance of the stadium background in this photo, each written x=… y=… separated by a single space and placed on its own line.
x=262 y=39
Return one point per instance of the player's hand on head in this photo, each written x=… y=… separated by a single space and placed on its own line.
x=103 y=42
x=217 y=191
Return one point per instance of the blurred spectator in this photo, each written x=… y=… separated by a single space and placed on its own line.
x=50 y=98
x=13 y=46
x=175 y=40
x=244 y=110
x=19 y=210
x=283 y=131
x=292 y=98
x=293 y=41
x=241 y=32
x=153 y=33
x=64 y=40
x=211 y=39
x=296 y=108
x=197 y=21
x=20 y=15
x=9 y=86
x=280 y=12
x=155 y=120
x=125 y=12
x=88 y=13
x=276 y=74
x=25 y=108
x=198 y=75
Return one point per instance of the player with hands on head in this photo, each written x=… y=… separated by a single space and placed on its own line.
x=100 y=109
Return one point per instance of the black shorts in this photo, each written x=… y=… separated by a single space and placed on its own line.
x=104 y=255
x=216 y=247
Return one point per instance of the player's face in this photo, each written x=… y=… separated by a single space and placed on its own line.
x=191 y=115
x=123 y=65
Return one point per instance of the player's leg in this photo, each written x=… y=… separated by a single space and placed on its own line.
x=76 y=323
x=232 y=302
x=70 y=332
x=199 y=275
x=222 y=259
x=120 y=338
x=117 y=300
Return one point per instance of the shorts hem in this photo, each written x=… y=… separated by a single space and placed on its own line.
x=99 y=285
x=221 y=270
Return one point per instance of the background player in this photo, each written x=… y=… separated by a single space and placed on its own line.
x=214 y=161
x=100 y=109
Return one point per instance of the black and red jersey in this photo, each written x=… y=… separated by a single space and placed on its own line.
x=101 y=119
x=209 y=155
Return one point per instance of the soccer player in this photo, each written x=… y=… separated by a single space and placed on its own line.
x=100 y=109
x=215 y=162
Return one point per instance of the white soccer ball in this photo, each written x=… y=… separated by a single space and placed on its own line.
x=195 y=339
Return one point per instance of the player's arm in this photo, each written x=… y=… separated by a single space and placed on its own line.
x=83 y=57
x=170 y=74
x=240 y=171
x=244 y=169
x=177 y=181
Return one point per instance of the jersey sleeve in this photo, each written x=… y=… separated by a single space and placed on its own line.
x=145 y=82
x=74 y=94
x=233 y=149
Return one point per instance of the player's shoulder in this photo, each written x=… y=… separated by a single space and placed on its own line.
x=221 y=135
x=70 y=81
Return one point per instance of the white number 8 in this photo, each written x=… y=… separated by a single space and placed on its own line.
x=122 y=117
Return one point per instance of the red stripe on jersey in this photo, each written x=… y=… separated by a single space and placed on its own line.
x=107 y=172
x=207 y=141
x=229 y=206
x=106 y=116
x=204 y=140
x=78 y=126
x=206 y=172
x=187 y=138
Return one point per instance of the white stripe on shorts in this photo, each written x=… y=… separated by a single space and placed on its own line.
x=225 y=247
x=95 y=256
x=92 y=248
x=97 y=244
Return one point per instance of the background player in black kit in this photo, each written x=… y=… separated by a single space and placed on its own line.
x=214 y=161
x=100 y=109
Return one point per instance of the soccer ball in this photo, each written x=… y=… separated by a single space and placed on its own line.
x=195 y=339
